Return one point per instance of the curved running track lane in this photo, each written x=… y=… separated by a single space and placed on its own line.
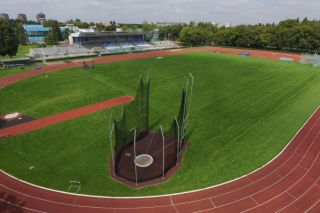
x=289 y=183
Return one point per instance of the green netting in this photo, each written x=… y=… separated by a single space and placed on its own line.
x=135 y=116
x=135 y=119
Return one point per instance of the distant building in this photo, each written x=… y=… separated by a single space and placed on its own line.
x=119 y=29
x=85 y=30
x=108 y=24
x=4 y=16
x=155 y=36
x=226 y=25
x=165 y=24
x=22 y=17
x=41 y=18
x=35 y=33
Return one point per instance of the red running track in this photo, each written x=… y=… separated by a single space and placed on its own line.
x=290 y=183
x=65 y=116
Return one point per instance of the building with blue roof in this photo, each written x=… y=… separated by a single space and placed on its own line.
x=35 y=33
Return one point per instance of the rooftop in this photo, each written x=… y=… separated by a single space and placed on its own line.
x=94 y=34
x=35 y=27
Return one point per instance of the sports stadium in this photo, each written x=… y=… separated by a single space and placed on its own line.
x=100 y=116
x=254 y=144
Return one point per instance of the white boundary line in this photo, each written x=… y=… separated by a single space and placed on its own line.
x=166 y=195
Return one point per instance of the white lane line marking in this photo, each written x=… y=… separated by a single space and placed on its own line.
x=313 y=206
x=20 y=206
x=254 y=200
x=82 y=206
x=214 y=206
x=173 y=205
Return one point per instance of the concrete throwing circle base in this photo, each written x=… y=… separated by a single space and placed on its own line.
x=12 y=115
x=154 y=162
x=143 y=160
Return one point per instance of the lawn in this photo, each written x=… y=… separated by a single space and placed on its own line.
x=244 y=110
x=15 y=70
x=22 y=51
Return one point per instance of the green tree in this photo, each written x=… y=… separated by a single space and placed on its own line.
x=192 y=35
x=100 y=27
x=147 y=27
x=52 y=23
x=9 y=41
x=65 y=34
x=21 y=34
x=55 y=35
x=80 y=24
x=290 y=35
x=170 y=32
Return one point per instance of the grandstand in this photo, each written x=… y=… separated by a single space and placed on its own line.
x=100 y=43
x=107 y=39
x=59 y=52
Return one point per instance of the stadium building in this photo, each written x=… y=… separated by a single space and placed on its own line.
x=107 y=39
x=35 y=33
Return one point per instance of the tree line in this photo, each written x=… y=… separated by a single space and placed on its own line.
x=289 y=35
x=11 y=36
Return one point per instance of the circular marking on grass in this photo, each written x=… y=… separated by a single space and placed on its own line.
x=143 y=160
x=12 y=115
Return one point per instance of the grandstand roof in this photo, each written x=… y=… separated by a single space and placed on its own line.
x=97 y=34
x=35 y=28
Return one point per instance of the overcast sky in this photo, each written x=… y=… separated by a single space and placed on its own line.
x=137 y=11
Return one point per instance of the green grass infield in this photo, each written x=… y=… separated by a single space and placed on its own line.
x=245 y=110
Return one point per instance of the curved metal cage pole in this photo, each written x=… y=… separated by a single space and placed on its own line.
x=178 y=140
x=111 y=128
x=191 y=91
x=135 y=153
x=185 y=122
x=163 y=147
